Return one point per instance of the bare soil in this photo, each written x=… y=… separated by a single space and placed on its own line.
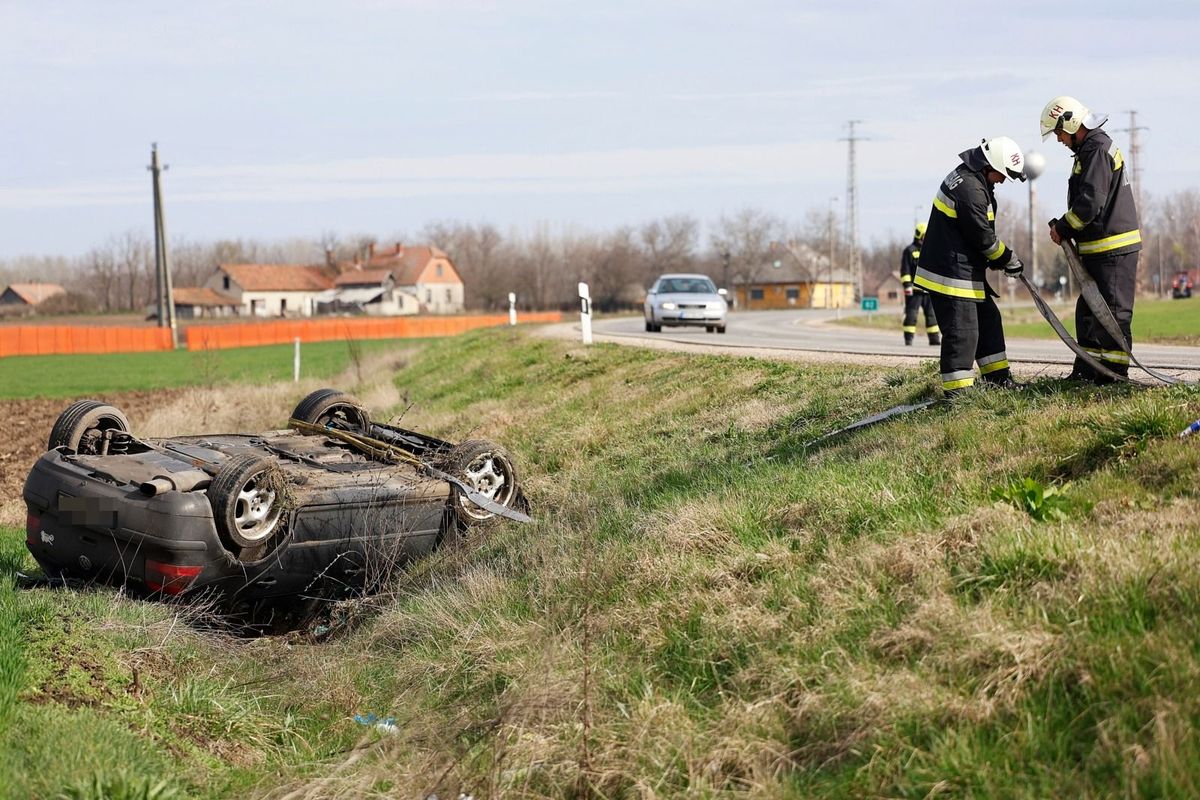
x=25 y=427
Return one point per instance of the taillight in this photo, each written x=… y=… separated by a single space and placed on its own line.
x=170 y=578
x=33 y=525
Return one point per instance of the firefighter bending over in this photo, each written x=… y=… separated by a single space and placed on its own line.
x=960 y=246
x=1103 y=220
x=915 y=298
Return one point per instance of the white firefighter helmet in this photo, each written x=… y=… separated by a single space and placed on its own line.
x=1063 y=113
x=1004 y=156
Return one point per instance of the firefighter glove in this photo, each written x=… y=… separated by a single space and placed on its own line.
x=1014 y=268
x=908 y=291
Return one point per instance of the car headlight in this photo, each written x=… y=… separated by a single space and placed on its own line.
x=668 y=306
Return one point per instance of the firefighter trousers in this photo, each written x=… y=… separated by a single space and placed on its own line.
x=914 y=303
x=972 y=333
x=1116 y=278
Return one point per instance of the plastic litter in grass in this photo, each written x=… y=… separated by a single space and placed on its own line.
x=387 y=724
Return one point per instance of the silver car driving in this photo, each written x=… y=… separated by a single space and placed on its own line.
x=685 y=299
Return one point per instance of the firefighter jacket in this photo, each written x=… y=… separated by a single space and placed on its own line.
x=908 y=266
x=960 y=241
x=1101 y=217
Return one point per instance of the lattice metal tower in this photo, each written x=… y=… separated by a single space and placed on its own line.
x=852 y=206
x=1135 y=156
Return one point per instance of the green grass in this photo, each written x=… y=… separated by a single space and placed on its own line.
x=1157 y=321
x=882 y=614
x=80 y=375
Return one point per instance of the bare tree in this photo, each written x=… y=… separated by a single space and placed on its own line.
x=669 y=245
x=747 y=237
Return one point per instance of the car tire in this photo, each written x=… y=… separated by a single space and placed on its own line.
x=649 y=326
x=325 y=407
x=248 y=503
x=81 y=424
x=720 y=329
x=488 y=469
x=709 y=328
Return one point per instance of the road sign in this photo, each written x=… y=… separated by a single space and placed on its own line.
x=870 y=304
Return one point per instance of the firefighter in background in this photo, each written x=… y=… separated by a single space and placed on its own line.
x=1103 y=220
x=916 y=298
x=960 y=246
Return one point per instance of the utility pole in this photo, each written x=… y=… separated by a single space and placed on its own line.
x=162 y=264
x=1135 y=156
x=852 y=204
x=832 y=239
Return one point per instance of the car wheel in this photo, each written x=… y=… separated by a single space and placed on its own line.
x=720 y=329
x=248 y=500
x=649 y=326
x=488 y=469
x=709 y=328
x=330 y=408
x=82 y=425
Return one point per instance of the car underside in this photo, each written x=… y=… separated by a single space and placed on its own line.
x=329 y=508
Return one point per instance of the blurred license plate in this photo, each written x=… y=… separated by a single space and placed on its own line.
x=97 y=512
x=693 y=315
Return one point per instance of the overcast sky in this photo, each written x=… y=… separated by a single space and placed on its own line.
x=283 y=119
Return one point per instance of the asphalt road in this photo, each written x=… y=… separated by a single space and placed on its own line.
x=814 y=330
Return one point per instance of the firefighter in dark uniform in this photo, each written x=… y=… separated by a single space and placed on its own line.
x=1103 y=220
x=960 y=246
x=915 y=298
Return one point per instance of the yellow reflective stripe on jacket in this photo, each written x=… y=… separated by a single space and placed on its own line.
x=991 y=215
x=1110 y=243
x=945 y=205
x=916 y=253
x=995 y=252
x=971 y=290
x=1114 y=153
x=1074 y=221
x=905 y=279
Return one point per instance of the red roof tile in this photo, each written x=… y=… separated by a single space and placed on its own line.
x=201 y=296
x=362 y=277
x=278 y=277
x=34 y=293
x=406 y=263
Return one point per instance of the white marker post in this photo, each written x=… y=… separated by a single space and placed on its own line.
x=296 y=361
x=585 y=312
x=512 y=308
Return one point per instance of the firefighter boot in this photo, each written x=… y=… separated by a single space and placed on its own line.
x=935 y=338
x=908 y=337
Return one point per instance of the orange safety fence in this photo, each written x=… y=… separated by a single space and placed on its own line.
x=251 y=334
x=41 y=340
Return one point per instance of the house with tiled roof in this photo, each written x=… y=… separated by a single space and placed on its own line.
x=425 y=272
x=29 y=294
x=201 y=302
x=367 y=291
x=273 y=290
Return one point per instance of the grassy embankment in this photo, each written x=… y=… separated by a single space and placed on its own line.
x=77 y=376
x=703 y=605
x=1157 y=321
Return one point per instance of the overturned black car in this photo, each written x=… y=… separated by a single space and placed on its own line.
x=328 y=508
